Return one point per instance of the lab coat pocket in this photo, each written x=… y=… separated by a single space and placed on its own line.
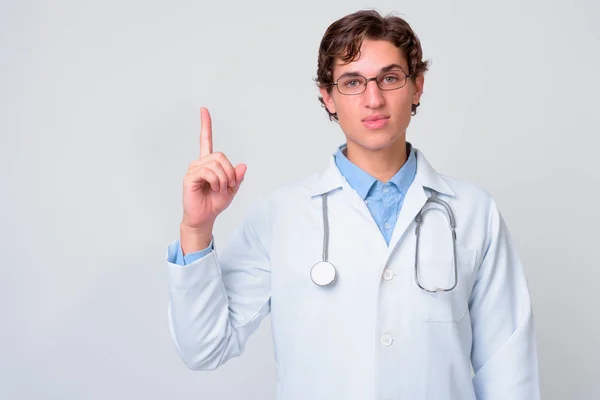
x=452 y=305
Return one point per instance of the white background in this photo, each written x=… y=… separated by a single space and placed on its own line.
x=99 y=119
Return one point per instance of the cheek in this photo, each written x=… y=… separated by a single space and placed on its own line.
x=348 y=106
x=402 y=105
x=403 y=99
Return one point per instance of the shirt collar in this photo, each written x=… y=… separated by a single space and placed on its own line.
x=362 y=182
x=331 y=178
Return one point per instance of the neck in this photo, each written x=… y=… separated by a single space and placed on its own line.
x=382 y=164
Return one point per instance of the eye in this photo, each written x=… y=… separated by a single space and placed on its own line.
x=390 y=79
x=351 y=84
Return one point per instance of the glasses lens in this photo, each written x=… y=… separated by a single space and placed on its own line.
x=391 y=80
x=351 y=85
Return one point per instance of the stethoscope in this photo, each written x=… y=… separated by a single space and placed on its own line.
x=323 y=273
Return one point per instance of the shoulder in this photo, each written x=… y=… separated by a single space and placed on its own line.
x=468 y=191
x=293 y=190
x=476 y=210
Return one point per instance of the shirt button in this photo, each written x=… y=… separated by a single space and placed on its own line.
x=386 y=189
x=366 y=201
x=388 y=274
x=387 y=226
x=386 y=340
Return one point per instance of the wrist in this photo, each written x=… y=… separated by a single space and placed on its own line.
x=195 y=239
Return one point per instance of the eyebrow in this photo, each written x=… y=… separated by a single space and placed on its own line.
x=384 y=69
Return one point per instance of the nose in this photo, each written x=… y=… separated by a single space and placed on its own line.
x=373 y=96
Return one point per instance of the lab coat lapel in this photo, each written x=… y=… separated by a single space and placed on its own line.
x=331 y=179
x=413 y=202
x=416 y=197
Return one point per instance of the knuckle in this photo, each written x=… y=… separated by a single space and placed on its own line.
x=216 y=165
x=196 y=163
x=206 y=171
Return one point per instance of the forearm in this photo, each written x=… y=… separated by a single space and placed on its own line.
x=512 y=371
x=199 y=313
x=504 y=354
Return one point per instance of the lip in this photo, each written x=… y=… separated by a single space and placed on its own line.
x=375 y=117
x=375 y=121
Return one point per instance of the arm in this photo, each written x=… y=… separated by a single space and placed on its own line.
x=504 y=354
x=217 y=302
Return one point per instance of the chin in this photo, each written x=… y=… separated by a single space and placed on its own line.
x=376 y=140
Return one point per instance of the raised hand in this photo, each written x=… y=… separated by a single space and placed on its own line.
x=209 y=186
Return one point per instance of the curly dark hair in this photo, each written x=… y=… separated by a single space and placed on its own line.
x=344 y=37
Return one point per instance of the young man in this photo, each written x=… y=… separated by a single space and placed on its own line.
x=371 y=295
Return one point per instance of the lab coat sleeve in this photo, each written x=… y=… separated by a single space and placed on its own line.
x=180 y=259
x=217 y=302
x=504 y=353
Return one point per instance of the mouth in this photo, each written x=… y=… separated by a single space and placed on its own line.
x=375 y=122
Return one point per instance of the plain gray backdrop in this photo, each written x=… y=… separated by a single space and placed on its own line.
x=99 y=119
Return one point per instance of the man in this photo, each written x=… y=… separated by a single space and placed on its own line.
x=362 y=306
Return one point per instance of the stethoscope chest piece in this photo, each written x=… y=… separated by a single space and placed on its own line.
x=322 y=273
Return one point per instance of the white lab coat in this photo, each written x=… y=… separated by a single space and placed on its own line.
x=374 y=334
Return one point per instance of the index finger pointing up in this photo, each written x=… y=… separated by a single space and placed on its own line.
x=206 y=145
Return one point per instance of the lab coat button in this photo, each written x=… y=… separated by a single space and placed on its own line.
x=386 y=340
x=388 y=274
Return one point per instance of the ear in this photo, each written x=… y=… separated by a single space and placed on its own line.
x=328 y=100
x=419 y=82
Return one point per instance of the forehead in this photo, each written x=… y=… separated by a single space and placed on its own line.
x=374 y=55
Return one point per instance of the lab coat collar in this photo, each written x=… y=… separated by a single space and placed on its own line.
x=331 y=178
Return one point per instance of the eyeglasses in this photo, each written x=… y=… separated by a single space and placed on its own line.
x=357 y=84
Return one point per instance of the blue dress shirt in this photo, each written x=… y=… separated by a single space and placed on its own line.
x=384 y=200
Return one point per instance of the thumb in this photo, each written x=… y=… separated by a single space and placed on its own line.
x=240 y=173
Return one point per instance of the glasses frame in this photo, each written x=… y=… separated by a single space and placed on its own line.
x=367 y=80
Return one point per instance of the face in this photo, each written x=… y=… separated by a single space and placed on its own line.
x=375 y=119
